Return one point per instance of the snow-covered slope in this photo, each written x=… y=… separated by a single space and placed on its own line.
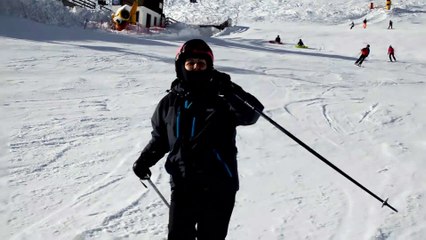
x=279 y=11
x=76 y=107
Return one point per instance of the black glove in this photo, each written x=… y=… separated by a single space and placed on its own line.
x=141 y=171
x=223 y=83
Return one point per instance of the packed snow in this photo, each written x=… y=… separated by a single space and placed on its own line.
x=76 y=106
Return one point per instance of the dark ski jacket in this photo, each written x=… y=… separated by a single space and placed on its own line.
x=278 y=39
x=199 y=135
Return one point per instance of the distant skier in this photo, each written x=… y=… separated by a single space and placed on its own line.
x=86 y=21
x=364 y=23
x=278 y=39
x=352 y=25
x=391 y=53
x=390 y=24
x=193 y=1
x=300 y=43
x=364 y=54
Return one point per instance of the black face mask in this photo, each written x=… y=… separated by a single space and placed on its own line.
x=198 y=82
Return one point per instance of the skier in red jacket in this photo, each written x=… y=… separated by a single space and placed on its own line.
x=364 y=23
x=364 y=54
x=391 y=53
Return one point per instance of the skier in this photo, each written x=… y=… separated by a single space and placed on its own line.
x=364 y=54
x=196 y=124
x=364 y=23
x=352 y=25
x=300 y=43
x=391 y=53
x=390 y=24
x=86 y=21
x=278 y=39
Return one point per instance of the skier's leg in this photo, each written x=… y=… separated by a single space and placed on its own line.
x=215 y=215
x=390 y=57
x=357 y=61
x=181 y=216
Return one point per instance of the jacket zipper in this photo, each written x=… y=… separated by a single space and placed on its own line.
x=186 y=106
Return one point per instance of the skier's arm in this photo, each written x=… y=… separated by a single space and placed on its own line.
x=158 y=145
x=244 y=114
x=235 y=96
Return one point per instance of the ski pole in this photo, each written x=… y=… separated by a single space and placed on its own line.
x=384 y=202
x=156 y=190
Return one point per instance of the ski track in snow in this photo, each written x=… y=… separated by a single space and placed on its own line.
x=371 y=111
x=135 y=218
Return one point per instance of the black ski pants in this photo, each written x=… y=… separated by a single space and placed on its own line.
x=392 y=55
x=360 y=59
x=200 y=214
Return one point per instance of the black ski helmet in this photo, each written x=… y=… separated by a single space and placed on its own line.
x=194 y=48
